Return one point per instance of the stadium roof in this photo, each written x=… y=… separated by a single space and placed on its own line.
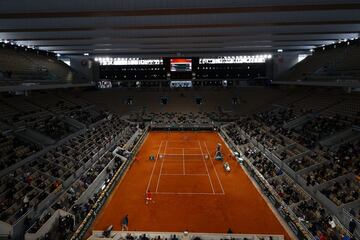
x=188 y=27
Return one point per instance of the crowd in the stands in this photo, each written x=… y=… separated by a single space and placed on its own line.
x=48 y=118
x=13 y=150
x=86 y=117
x=172 y=118
x=300 y=149
x=71 y=167
x=308 y=210
x=277 y=117
x=151 y=236
x=347 y=156
x=343 y=192
x=303 y=162
x=266 y=167
x=130 y=236
x=321 y=127
x=68 y=168
x=70 y=200
x=344 y=160
x=319 y=223
x=287 y=190
x=35 y=180
x=52 y=127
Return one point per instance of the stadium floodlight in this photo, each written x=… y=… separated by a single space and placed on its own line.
x=280 y=50
x=259 y=58
x=127 y=61
x=86 y=54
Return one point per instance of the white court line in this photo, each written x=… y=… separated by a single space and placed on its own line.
x=162 y=163
x=184 y=148
x=152 y=172
x=214 y=168
x=189 y=154
x=186 y=174
x=207 y=171
x=189 y=193
x=179 y=161
x=183 y=162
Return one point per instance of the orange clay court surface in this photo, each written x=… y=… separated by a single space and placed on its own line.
x=191 y=190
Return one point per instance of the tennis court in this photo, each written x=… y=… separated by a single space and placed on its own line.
x=191 y=190
x=184 y=167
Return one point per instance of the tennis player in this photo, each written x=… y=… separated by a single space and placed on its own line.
x=148 y=197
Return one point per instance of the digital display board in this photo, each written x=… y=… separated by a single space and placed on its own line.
x=180 y=84
x=180 y=65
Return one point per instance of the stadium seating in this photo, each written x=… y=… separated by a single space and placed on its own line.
x=180 y=235
x=276 y=147
x=19 y=66
x=236 y=118
x=37 y=178
x=307 y=209
x=343 y=191
x=334 y=64
x=297 y=152
x=13 y=150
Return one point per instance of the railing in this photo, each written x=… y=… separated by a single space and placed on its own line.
x=341 y=83
x=44 y=86
x=139 y=142
x=347 y=217
x=4 y=237
x=184 y=235
x=198 y=126
x=6 y=230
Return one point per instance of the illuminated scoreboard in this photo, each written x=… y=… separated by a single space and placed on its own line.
x=180 y=65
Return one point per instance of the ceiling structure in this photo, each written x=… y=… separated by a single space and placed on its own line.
x=177 y=27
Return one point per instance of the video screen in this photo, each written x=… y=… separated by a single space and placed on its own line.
x=180 y=65
x=180 y=84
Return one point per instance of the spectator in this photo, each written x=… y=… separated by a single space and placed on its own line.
x=125 y=223
x=352 y=226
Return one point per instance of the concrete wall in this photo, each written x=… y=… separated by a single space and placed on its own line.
x=283 y=62
x=86 y=66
